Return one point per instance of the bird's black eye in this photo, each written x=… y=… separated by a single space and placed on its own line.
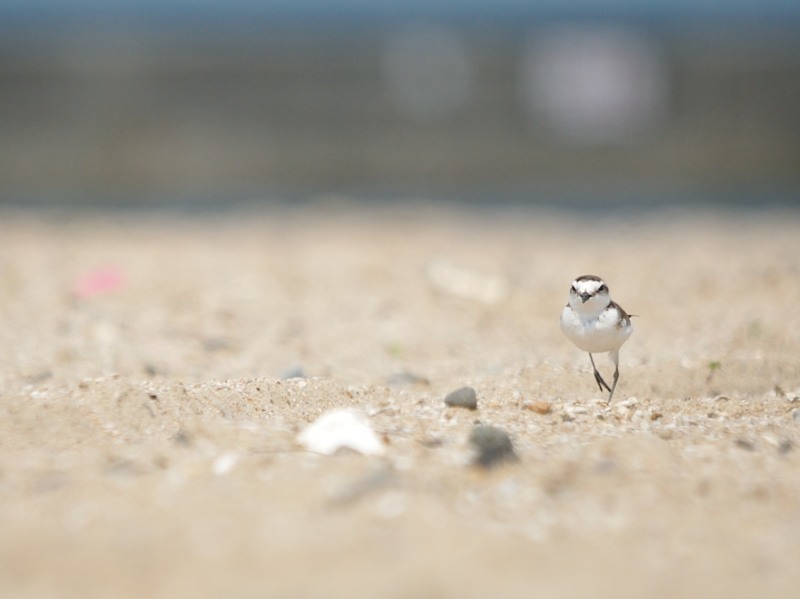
x=603 y=289
x=572 y=289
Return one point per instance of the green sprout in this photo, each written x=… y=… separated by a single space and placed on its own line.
x=713 y=366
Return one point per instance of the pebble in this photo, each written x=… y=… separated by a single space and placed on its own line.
x=540 y=407
x=464 y=397
x=215 y=344
x=571 y=412
x=341 y=429
x=628 y=403
x=492 y=445
x=224 y=463
x=182 y=438
x=293 y=372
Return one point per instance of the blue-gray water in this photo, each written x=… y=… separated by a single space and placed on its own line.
x=214 y=104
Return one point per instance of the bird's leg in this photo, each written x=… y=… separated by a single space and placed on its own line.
x=600 y=382
x=614 y=358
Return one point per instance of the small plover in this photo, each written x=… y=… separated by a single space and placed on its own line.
x=596 y=324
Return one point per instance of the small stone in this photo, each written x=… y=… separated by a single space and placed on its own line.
x=151 y=370
x=182 y=438
x=785 y=446
x=224 y=463
x=745 y=444
x=293 y=372
x=464 y=397
x=340 y=429
x=492 y=446
x=216 y=344
x=571 y=413
x=540 y=407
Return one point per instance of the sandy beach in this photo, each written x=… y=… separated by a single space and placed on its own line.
x=156 y=370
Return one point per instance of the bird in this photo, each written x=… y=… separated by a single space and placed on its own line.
x=596 y=324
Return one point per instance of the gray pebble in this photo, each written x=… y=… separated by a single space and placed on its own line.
x=462 y=398
x=293 y=372
x=492 y=445
x=182 y=438
x=215 y=344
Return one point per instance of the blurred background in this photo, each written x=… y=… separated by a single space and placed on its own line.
x=218 y=102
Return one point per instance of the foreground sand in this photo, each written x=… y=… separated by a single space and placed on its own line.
x=148 y=432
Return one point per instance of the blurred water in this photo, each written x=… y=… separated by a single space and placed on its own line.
x=144 y=103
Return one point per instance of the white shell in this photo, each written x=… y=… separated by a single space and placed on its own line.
x=341 y=428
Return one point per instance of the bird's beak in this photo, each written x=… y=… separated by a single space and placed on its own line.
x=584 y=296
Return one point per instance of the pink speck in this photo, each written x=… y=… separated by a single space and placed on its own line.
x=101 y=280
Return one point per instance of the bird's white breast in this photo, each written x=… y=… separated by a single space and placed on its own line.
x=595 y=333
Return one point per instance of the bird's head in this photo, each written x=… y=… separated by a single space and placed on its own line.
x=588 y=294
